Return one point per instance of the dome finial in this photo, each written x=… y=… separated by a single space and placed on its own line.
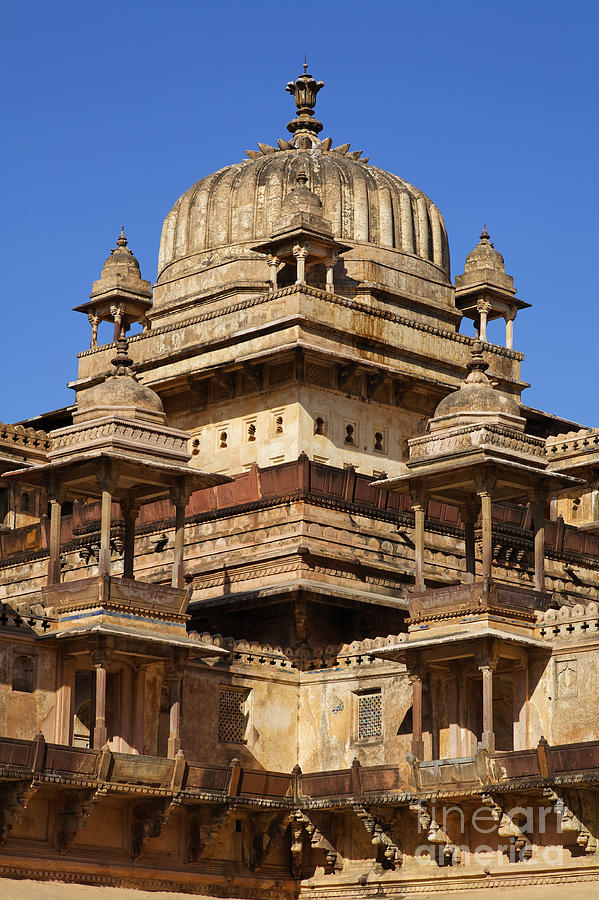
x=476 y=362
x=304 y=89
x=122 y=362
x=485 y=236
x=122 y=240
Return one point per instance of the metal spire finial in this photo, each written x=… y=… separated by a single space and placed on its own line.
x=122 y=240
x=304 y=89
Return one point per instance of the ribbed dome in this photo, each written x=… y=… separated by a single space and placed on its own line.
x=363 y=203
x=390 y=226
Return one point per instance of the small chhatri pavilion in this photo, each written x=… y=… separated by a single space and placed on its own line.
x=119 y=450
x=475 y=452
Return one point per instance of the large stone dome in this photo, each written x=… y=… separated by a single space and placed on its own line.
x=388 y=222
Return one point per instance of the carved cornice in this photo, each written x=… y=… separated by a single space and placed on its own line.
x=475 y=436
x=336 y=299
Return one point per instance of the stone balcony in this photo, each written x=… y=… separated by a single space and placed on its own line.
x=477 y=598
x=104 y=603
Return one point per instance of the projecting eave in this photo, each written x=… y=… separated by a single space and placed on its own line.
x=414 y=643
x=196 y=648
x=451 y=478
x=147 y=480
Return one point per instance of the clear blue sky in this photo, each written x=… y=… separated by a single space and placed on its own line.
x=112 y=110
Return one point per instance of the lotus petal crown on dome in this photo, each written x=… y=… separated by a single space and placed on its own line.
x=239 y=206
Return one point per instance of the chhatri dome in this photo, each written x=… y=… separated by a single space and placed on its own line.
x=476 y=400
x=392 y=226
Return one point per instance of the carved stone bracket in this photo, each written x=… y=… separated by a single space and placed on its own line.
x=449 y=853
x=301 y=825
x=148 y=820
x=569 y=822
x=76 y=808
x=203 y=828
x=388 y=853
x=512 y=824
x=14 y=799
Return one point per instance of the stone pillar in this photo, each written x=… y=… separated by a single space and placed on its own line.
x=139 y=693
x=419 y=509
x=330 y=267
x=468 y=513
x=100 y=662
x=107 y=482
x=417 y=741
x=178 y=562
x=487 y=532
x=55 y=525
x=130 y=514
x=538 y=511
x=454 y=716
x=483 y=308
x=117 y=313
x=64 y=705
x=104 y=559
x=488 y=735
x=273 y=262
x=174 y=737
x=180 y=494
x=509 y=330
x=594 y=504
x=94 y=321
x=520 y=706
x=300 y=251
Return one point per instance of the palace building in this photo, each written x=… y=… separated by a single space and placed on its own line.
x=299 y=598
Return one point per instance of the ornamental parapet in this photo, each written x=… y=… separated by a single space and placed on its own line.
x=477 y=598
x=24 y=443
x=574 y=450
x=122 y=435
x=476 y=437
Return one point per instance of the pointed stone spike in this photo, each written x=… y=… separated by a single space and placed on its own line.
x=253 y=154
x=355 y=154
x=266 y=149
x=283 y=145
x=341 y=149
x=326 y=144
x=364 y=159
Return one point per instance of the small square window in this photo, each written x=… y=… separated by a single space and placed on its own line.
x=370 y=716
x=232 y=717
x=320 y=424
x=250 y=430
x=278 y=423
x=350 y=434
x=380 y=440
x=223 y=436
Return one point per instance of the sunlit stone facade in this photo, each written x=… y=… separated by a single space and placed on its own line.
x=300 y=600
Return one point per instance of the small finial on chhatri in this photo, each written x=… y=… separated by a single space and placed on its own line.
x=477 y=362
x=484 y=235
x=305 y=63
x=122 y=362
x=302 y=179
x=122 y=240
